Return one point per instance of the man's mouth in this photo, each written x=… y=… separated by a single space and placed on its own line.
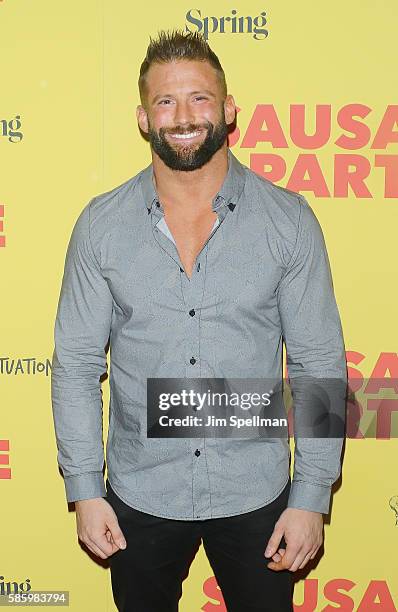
x=186 y=136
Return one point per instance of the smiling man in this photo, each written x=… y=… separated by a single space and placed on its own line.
x=194 y=268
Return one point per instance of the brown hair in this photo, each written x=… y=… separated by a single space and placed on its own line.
x=179 y=45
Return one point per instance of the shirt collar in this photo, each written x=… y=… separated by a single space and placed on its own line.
x=228 y=195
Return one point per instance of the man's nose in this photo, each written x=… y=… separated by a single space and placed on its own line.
x=183 y=113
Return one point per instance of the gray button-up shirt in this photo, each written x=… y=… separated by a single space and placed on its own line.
x=263 y=276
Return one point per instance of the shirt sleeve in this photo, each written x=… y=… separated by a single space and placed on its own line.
x=82 y=329
x=312 y=332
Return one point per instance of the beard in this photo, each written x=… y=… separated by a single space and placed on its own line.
x=191 y=156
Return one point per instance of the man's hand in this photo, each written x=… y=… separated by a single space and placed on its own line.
x=98 y=527
x=303 y=533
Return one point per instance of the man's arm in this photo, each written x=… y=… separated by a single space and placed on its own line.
x=312 y=332
x=313 y=336
x=82 y=330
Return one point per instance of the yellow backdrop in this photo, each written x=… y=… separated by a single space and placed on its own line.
x=316 y=88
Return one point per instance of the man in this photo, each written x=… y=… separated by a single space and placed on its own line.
x=194 y=268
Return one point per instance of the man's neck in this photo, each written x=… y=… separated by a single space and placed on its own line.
x=191 y=191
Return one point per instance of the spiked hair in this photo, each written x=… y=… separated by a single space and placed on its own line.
x=179 y=45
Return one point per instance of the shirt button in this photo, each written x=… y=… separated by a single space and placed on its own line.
x=157 y=204
x=192 y=312
x=181 y=269
x=192 y=360
x=197 y=452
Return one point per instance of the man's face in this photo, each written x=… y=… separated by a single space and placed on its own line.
x=185 y=116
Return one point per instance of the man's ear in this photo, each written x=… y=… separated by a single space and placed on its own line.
x=229 y=109
x=142 y=118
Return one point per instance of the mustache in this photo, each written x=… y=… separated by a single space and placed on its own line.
x=186 y=130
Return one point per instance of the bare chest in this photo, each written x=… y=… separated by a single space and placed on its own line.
x=190 y=235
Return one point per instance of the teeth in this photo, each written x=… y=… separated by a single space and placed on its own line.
x=182 y=136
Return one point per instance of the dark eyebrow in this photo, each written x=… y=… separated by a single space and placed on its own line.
x=192 y=93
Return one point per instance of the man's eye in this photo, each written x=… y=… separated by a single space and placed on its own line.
x=163 y=101
x=200 y=98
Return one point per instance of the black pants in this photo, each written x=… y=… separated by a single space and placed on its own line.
x=147 y=576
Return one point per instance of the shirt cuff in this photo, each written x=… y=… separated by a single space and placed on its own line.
x=84 y=486
x=309 y=496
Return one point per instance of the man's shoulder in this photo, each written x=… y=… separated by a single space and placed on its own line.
x=106 y=214
x=280 y=211
x=284 y=215
x=107 y=205
x=272 y=197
